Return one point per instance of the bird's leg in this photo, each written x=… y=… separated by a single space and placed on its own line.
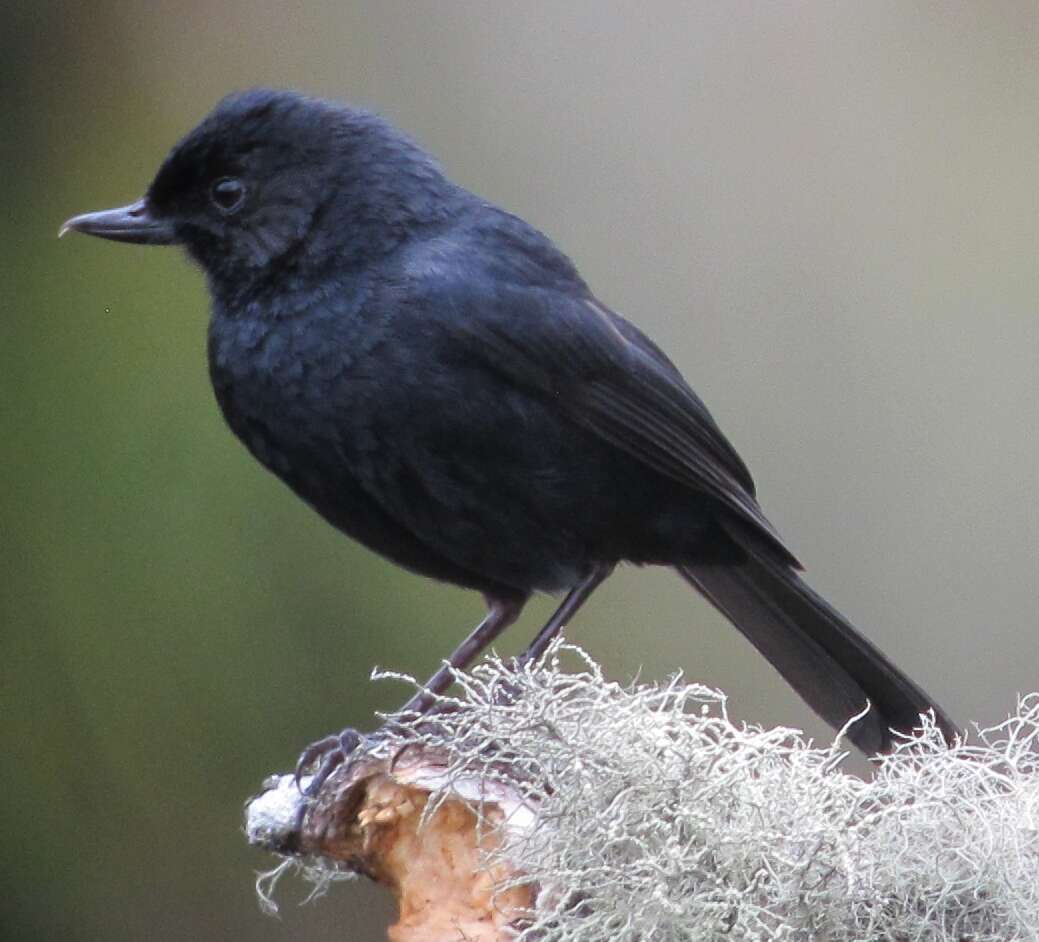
x=500 y=615
x=575 y=598
x=332 y=751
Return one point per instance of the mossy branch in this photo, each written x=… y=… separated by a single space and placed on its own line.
x=554 y=805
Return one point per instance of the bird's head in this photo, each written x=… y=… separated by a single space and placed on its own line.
x=273 y=177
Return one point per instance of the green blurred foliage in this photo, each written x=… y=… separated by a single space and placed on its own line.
x=826 y=212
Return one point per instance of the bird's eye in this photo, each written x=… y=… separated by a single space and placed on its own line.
x=228 y=194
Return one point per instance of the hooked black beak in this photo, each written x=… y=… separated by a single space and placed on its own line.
x=133 y=223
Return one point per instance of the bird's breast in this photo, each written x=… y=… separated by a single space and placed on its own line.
x=278 y=384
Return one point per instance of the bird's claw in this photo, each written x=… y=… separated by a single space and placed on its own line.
x=327 y=754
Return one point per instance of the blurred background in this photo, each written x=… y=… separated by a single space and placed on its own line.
x=826 y=212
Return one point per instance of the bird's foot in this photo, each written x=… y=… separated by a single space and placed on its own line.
x=325 y=756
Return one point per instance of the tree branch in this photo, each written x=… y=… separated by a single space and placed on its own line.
x=556 y=805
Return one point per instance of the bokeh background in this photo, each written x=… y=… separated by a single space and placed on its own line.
x=826 y=212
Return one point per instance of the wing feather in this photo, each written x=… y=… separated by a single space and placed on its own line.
x=611 y=379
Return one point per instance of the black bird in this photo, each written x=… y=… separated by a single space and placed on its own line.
x=432 y=375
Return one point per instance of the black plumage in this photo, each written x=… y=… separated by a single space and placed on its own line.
x=434 y=377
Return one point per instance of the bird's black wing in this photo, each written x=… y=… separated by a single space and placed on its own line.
x=606 y=376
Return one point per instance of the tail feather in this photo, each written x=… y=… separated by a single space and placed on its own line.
x=816 y=650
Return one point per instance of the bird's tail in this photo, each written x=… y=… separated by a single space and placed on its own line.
x=823 y=657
